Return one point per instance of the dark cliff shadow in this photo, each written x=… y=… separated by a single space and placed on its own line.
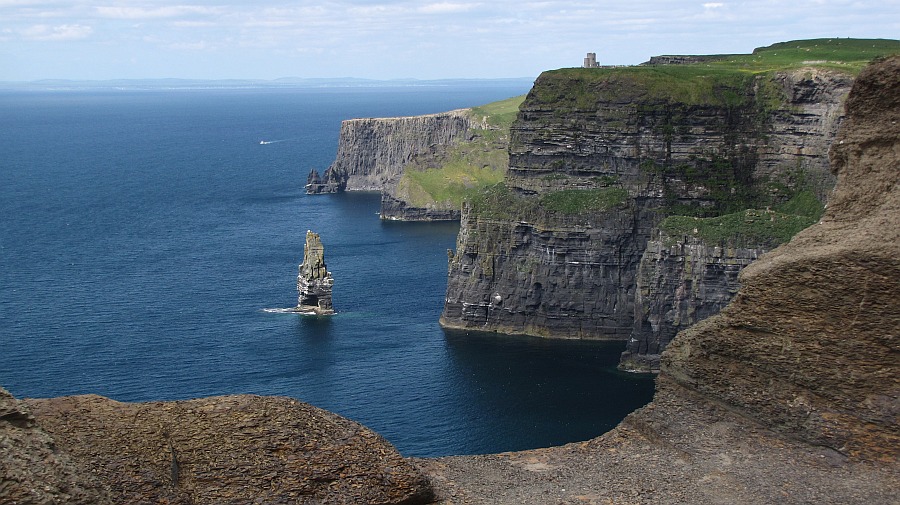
x=534 y=392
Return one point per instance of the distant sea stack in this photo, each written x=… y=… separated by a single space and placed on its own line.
x=314 y=282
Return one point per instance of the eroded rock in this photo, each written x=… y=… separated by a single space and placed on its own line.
x=314 y=281
x=227 y=450
x=33 y=470
x=809 y=345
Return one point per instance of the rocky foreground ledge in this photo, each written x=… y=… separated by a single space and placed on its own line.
x=790 y=395
x=219 y=450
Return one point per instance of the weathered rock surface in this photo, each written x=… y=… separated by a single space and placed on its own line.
x=561 y=278
x=680 y=282
x=397 y=209
x=809 y=345
x=33 y=470
x=373 y=152
x=580 y=131
x=790 y=395
x=220 y=450
x=314 y=281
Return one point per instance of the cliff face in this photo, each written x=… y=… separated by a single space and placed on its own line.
x=373 y=152
x=553 y=277
x=809 y=345
x=801 y=131
x=679 y=283
x=790 y=395
x=676 y=142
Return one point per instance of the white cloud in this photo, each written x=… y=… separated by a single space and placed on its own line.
x=466 y=37
x=57 y=33
x=447 y=8
x=172 y=11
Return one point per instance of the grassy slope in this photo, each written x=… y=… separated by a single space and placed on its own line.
x=465 y=168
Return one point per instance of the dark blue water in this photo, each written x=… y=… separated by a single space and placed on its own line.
x=143 y=233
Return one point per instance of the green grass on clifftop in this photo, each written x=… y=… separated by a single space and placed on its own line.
x=720 y=80
x=501 y=203
x=500 y=114
x=578 y=201
x=749 y=227
x=849 y=55
x=465 y=168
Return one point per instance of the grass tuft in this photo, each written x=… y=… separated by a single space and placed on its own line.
x=749 y=227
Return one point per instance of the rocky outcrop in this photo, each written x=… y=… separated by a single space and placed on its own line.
x=373 y=152
x=809 y=345
x=680 y=282
x=314 y=281
x=707 y=148
x=219 y=450
x=397 y=209
x=790 y=395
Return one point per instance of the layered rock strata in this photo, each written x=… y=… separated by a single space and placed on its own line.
x=398 y=209
x=373 y=152
x=790 y=395
x=680 y=282
x=554 y=277
x=314 y=281
x=809 y=345
x=741 y=143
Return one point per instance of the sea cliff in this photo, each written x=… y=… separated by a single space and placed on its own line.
x=680 y=281
x=372 y=152
x=600 y=159
x=424 y=166
x=790 y=395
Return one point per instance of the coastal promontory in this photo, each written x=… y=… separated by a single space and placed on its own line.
x=635 y=195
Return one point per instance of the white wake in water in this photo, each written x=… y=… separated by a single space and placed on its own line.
x=290 y=310
x=267 y=142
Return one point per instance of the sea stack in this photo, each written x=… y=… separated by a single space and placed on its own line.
x=314 y=281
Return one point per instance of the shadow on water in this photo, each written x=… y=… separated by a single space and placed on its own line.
x=535 y=392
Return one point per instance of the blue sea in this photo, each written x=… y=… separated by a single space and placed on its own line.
x=143 y=233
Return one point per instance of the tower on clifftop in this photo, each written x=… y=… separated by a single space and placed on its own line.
x=314 y=282
x=590 y=61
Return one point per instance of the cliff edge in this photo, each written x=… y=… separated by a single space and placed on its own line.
x=790 y=395
x=424 y=166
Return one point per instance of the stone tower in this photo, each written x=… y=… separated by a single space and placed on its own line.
x=314 y=282
x=590 y=61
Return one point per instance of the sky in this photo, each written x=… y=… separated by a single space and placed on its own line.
x=390 y=39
